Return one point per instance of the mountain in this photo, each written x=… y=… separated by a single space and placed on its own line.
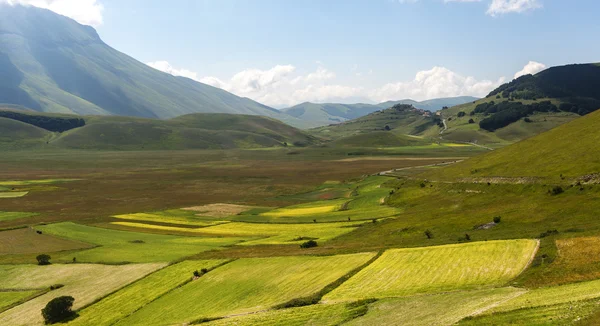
x=28 y=129
x=324 y=114
x=400 y=119
x=51 y=63
x=526 y=106
x=563 y=152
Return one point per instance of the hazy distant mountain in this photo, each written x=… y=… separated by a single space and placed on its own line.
x=330 y=113
x=51 y=63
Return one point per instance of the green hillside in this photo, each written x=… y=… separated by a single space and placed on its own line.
x=193 y=131
x=318 y=115
x=525 y=107
x=401 y=119
x=568 y=150
x=51 y=63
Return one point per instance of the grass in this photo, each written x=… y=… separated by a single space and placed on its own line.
x=319 y=314
x=126 y=301
x=121 y=246
x=564 y=150
x=561 y=314
x=86 y=283
x=27 y=241
x=267 y=233
x=10 y=298
x=571 y=260
x=432 y=310
x=13 y=194
x=553 y=295
x=244 y=286
x=401 y=272
x=218 y=210
x=8 y=216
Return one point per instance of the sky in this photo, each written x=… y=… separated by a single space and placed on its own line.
x=285 y=52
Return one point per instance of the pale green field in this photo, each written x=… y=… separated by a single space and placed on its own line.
x=312 y=209
x=11 y=297
x=433 y=310
x=84 y=282
x=7 y=216
x=402 y=272
x=33 y=182
x=564 y=314
x=267 y=233
x=319 y=314
x=553 y=295
x=245 y=286
x=116 y=246
x=164 y=217
x=136 y=295
x=13 y=194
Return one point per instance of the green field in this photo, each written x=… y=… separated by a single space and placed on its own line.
x=9 y=298
x=7 y=216
x=33 y=182
x=574 y=313
x=433 y=310
x=266 y=233
x=116 y=246
x=13 y=194
x=26 y=241
x=401 y=272
x=232 y=289
x=319 y=314
x=171 y=217
x=136 y=295
x=84 y=282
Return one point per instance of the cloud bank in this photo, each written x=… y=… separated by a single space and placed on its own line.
x=281 y=86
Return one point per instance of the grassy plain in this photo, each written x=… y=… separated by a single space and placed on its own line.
x=116 y=246
x=27 y=241
x=126 y=301
x=232 y=289
x=85 y=282
x=9 y=298
x=402 y=272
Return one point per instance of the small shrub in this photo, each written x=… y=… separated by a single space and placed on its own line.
x=549 y=233
x=43 y=259
x=467 y=237
x=203 y=270
x=309 y=244
x=422 y=185
x=38 y=232
x=461 y=114
x=196 y=273
x=556 y=191
x=527 y=120
x=58 y=310
x=471 y=121
x=428 y=234
x=497 y=219
x=56 y=286
x=137 y=241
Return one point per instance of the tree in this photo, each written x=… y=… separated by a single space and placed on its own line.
x=471 y=121
x=428 y=234
x=497 y=219
x=43 y=259
x=58 y=310
x=461 y=114
x=387 y=128
x=309 y=244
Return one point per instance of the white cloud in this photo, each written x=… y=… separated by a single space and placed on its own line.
x=87 y=12
x=531 y=68
x=281 y=85
x=499 y=7
x=164 y=66
x=434 y=83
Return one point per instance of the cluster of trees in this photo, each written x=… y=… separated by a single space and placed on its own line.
x=505 y=113
x=55 y=124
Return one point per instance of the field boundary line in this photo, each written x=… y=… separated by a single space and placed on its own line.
x=496 y=304
x=24 y=300
x=535 y=251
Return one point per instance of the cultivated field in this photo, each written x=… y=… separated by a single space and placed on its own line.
x=136 y=295
x=13 y=194
x=27 y=241
x=116 y=246
x=172 y=217
x=9 y=298
x=7 y=216
x=232 y=289
x=401 y=272
x=84 y=282
x=266 y=233
x=433 y=310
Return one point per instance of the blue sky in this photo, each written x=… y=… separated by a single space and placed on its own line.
x=285 y=52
